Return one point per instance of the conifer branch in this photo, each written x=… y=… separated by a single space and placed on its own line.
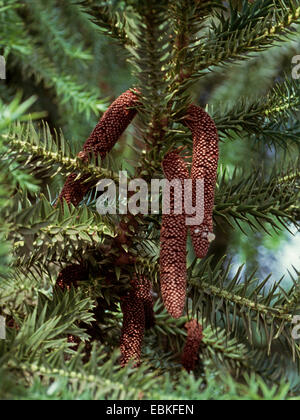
x=259 y=203
x=47 y=234
x=256 y=118
x=259 y=312
x=108 y=18
x=34 y=61
x=26 y=144
x=253 y=30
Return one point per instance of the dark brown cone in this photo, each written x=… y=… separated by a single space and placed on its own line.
x=143 y=291
x=173 y=239
x=112 y=124
x=205 y=165
x=133 y=329
x=191 y=349
x=74 y=191
x=106 y=133
x=71 y=275
x=137 y=308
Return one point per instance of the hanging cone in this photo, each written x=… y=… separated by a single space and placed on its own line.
x=105 y=135
x=173 y=239
x=205 y=165
x=191 y=349
x=71 y=275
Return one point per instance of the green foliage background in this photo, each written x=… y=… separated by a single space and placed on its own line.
x=66 y=62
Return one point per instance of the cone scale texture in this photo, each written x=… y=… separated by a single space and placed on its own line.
x=204 y=166
x=143 y=292
x=137 y=308
x=191 y=349
x=105 y=135
x=71 y=275
x=173 y=239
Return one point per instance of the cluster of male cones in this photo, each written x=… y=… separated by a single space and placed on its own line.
x=137 y=305
x=174 y=229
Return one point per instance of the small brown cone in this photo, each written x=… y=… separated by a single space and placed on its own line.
x=137 y=308
x=143 y=291
x=71 y=275
x=191 y=349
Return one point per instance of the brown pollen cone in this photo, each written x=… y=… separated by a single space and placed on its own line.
x=204 y=166
x=74 y=191
x=105 y=135
x=133 y=328
x=191 y=349
x=137 y=308
x=71 y=275
x=112 y=124
x=173 y=239
x=143 y=291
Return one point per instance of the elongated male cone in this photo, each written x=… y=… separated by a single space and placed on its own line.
x=143 y=291
x=112 y=124
x=138 y=315
x=204 y=166
x=74 y=189
x=71 y=275
x=191 y=349
x=173 y=239
x=105 y=135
